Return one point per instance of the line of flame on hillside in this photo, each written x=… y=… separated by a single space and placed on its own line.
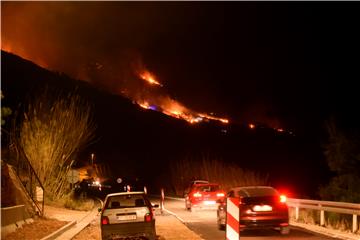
x=175 y=109
x=180 y=112
x=172 y=107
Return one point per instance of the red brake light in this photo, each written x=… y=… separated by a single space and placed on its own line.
x=282 y=198
x=197 y=194
x=148 y=217
x=220 y=194
x=104 y=220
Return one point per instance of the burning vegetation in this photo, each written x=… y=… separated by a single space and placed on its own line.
x=170 y=106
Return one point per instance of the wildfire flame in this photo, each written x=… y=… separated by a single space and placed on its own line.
x=148 y=77
x=144 y=105
x=172 y=107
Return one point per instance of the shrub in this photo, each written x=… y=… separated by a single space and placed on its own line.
x=228 y=175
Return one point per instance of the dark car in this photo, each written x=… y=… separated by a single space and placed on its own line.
x=203 y=196
x=127 y=215
x=260 y=207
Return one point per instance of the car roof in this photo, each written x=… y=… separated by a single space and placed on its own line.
x=255 y=190
x=199 y=181
x=206 y=184
x=123 y=193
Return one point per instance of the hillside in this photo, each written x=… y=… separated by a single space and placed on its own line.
x=135 y=141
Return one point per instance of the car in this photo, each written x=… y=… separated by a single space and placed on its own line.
x=203 y=196
x=261 y=207
x=127 y=215
x=188 y=188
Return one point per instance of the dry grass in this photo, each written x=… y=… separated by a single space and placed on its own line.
x=69 y=202
x=52 y=132
x=228 y=175
x=342 y=222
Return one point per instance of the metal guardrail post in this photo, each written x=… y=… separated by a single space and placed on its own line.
x=322 y=217
x=355 y=224
x=296 y=213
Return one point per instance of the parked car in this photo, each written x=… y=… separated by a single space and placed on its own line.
x=127 y=215
x=203 y=196
x=260 y=207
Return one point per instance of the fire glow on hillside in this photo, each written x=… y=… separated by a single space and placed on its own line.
x=148 y=77
x=172 y=107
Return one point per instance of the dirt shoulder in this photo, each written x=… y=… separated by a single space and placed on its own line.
x=41 y=227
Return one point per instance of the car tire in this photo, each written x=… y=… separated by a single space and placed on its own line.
x=284 y=230
x=221 y=226
x=187 y=205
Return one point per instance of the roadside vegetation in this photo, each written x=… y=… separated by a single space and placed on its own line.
x=226 y=174
x=337 y=221
x=5 y=112
x=342 y=152
x=53 y=128
x=70 y=201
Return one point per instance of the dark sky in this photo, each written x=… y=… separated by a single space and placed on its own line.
x=286 y=64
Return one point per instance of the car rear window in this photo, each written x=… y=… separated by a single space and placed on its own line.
x=259 y=200
x=125 y=201
x=257 y=192
x=208 y=188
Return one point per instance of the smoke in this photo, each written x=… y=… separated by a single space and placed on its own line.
x=68 y=36
x=86 y=40
x=99 y=42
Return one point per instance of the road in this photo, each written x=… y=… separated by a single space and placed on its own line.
x=203 y=223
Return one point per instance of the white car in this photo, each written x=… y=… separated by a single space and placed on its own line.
x=127 y=215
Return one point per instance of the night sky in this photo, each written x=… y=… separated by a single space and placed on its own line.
x=282 y=64
x=290 y=65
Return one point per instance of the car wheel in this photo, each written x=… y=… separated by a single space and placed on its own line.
x=191 y=207
x=284 y=230
x=221 y=226
x=187 y=205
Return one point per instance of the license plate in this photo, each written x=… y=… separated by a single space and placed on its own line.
x=262 y=208
x=209 y=202
x=126 y=217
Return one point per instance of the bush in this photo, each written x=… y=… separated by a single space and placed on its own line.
x=53 y=130
x=71 y=202
x=228 y=175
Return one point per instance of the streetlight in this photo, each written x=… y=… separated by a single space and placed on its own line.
x=92 y=159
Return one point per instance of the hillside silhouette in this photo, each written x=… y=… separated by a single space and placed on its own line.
x=135 y=141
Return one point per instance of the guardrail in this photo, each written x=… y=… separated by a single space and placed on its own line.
x=322 y=206
x=326 y=206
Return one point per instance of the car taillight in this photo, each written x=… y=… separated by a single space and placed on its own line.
x=197 y=194
x=282 y=198
x=220 y=194
x=148 y=217
x=104 y=220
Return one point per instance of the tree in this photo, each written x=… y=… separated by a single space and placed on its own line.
x=5 y=111
x=53 y=130
x=343 y=157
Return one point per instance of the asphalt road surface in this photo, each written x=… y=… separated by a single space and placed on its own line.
x=203 y=223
